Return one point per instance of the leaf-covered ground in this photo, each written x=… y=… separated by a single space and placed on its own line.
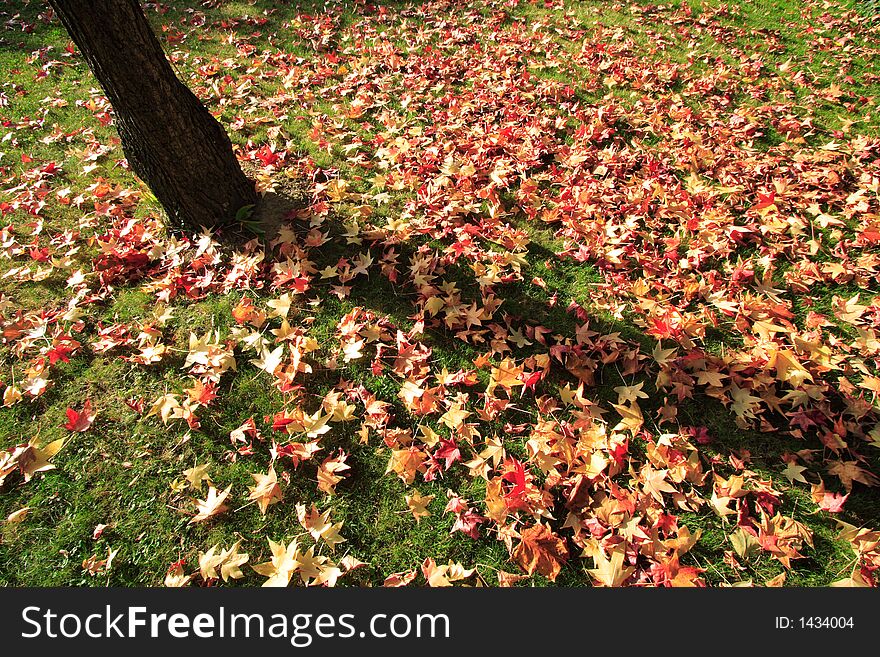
x=552 y=292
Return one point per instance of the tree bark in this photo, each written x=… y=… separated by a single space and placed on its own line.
x=170 y=139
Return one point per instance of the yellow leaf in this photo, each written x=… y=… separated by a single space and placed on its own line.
x=196 y=475
x=794 y=472
x=164 y=406
x=266 y=491
x=212 y=505
x=507 y=375
x=663 y=356
x=745 y=544
x=654 y=482
x=327 y=473
x=630 y=417
x=610 y=571
x=282 y=566
x=418 y=505
x=270 y=360
x=319 y=525
x=228 y=561
x=788 y=368
x=281 y=306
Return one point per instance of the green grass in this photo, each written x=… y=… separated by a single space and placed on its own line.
x=120 y=472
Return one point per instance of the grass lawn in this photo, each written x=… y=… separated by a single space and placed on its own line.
x=552 y=293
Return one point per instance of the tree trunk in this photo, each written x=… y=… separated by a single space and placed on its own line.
x=169 y=138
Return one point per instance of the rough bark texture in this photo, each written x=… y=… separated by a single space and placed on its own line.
x=169 y=138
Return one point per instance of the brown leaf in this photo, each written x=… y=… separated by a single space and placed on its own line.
x=541 y=551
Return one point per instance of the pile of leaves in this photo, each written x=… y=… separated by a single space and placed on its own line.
x=464 y=160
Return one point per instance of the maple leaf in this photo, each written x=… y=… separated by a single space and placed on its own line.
x=711 y=378
x=744 y=403
x=627 y=394
x=493 y=451
x=418 y=505
x=409 y=393
x=327 y=472
x=473 y=315
x=245 y=312
x=28 y=459
x=269 y=361
x=245 y=433
x=406 y=463
x=507 y=375
x=82 y=420
x=11 y=396
x=95 y=566
x=319 y=525
x=201 y=392
x=776 y=582
x=794 y=472
x=455 y=416
x=331 y=572
x=444 y=574
x=654 y=482
x=507 y=580
x=400 y=579
x=176 y=577
x=352 y=350
x=164 y=406
x=850 y=471
x=284 y=332
x=212 y=505
x=630 y=417
x=228 y=561
x=149 y=353
x=788 y=368
x=782 y=537
x=310 y=566
x=448 y=451
x=827 y=501
x=663 y=356
x=266 y=491
x=296 y=452
x=312 y=425
x=856 y=580
x=848 y=310
x=281 y=306
x=337 y=408
x=468 y=523
x=541 y=551
x=196 y=475
x=609 y=571
x=281 y=568
x=745 y=544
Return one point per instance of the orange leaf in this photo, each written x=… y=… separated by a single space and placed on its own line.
x=541 y=551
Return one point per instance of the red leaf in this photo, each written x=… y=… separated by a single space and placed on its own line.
x=765 y=200
x=832 y=502
x=448 y=451
x=82 y=420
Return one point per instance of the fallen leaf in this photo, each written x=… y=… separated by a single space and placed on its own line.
x=80 y=420
x=212 y=505
x=541 y=551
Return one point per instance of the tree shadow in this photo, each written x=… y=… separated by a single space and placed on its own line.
x=524 y=304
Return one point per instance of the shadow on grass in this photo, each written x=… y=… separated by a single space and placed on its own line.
x=527 y=303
